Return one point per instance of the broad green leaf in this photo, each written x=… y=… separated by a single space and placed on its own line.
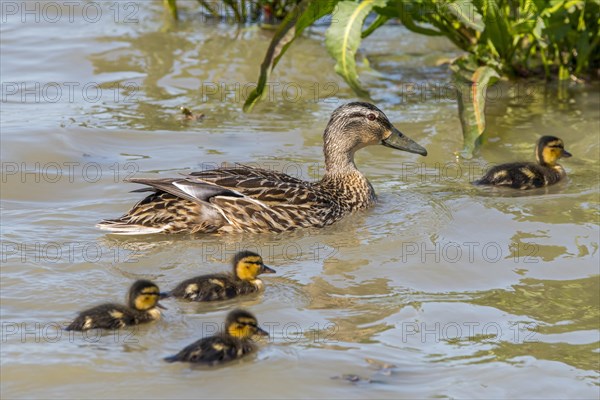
x=302 y=16
x=472 y=88
x=467 y=14
x=343 y=38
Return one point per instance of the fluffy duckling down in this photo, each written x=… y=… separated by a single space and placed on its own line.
x=142 y=306
x=529 y=175
x=235 y=342
x=243 y=280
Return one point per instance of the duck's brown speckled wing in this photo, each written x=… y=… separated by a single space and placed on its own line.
x=239 y=198
x=213 y=350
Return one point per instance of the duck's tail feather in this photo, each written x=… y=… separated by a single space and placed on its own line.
x=124 y=228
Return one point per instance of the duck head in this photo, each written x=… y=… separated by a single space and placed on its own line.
x=357 y=125
x=144 y=295
x=549 y=149
x=243 y=325
x=248 y=265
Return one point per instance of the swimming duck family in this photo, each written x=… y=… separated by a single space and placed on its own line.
x=235 y=342
x=248 y=199
x=142 y=306
x=243 y=280
x=529 y=175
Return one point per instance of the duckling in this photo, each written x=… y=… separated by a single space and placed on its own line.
x=189 y=115
x=246 y=266
x=529 y=175
x=235 y=342
x=142 y=306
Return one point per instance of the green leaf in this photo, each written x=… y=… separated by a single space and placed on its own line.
x=472 y=88
x=380 y=20
x=344 y=36
x=408 y=13
x=303 y=15
x=496 y=27
x=466 y=14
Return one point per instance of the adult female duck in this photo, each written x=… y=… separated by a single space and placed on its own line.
x=247 y=199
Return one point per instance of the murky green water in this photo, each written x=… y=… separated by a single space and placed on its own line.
x=469 y=293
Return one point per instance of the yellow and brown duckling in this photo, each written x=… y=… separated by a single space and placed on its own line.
x=142 y=306
x=529 y=175
x=236 y=341
x=246 y=267
x=248 y=199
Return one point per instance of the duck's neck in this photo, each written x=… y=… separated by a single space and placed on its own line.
x=345 y=181
x=153 y=313
x=543 y=163
x=339 y=161
x=559 y=169
x=553 y=166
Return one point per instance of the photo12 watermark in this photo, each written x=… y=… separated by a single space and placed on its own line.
x=67 y=252
x=66 y=171
x=275 y=92
x=69 y=11
x=428 y=91
x=68 y=92
x=490 y=332
x=451 y=252
x=53 y=332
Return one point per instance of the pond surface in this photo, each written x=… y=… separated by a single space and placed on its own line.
x=468 y=293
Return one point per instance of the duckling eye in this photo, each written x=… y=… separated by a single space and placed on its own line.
x=371 y=117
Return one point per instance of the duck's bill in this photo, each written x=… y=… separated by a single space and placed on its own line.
x=566 y=154
x=161 y=306
x=164 y=295
x=267 y=270
x=261 y=332
x=397 y=140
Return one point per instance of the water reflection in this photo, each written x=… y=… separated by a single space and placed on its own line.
x=574 y=303
x=583 y=356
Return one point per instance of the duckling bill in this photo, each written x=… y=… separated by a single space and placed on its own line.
x=235 y=342
x=142 y=306
x=246 y=267
x=248 y=199
x=529 y=175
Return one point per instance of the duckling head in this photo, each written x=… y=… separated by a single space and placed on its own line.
x=356 y=125
x=549 y=149
x=248 y=265
x=243 y=325
x=144 y=295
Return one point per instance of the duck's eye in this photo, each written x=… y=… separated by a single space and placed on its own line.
x=371 y=117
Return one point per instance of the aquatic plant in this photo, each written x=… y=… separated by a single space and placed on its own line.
x=501 y=39
x=240 y=11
